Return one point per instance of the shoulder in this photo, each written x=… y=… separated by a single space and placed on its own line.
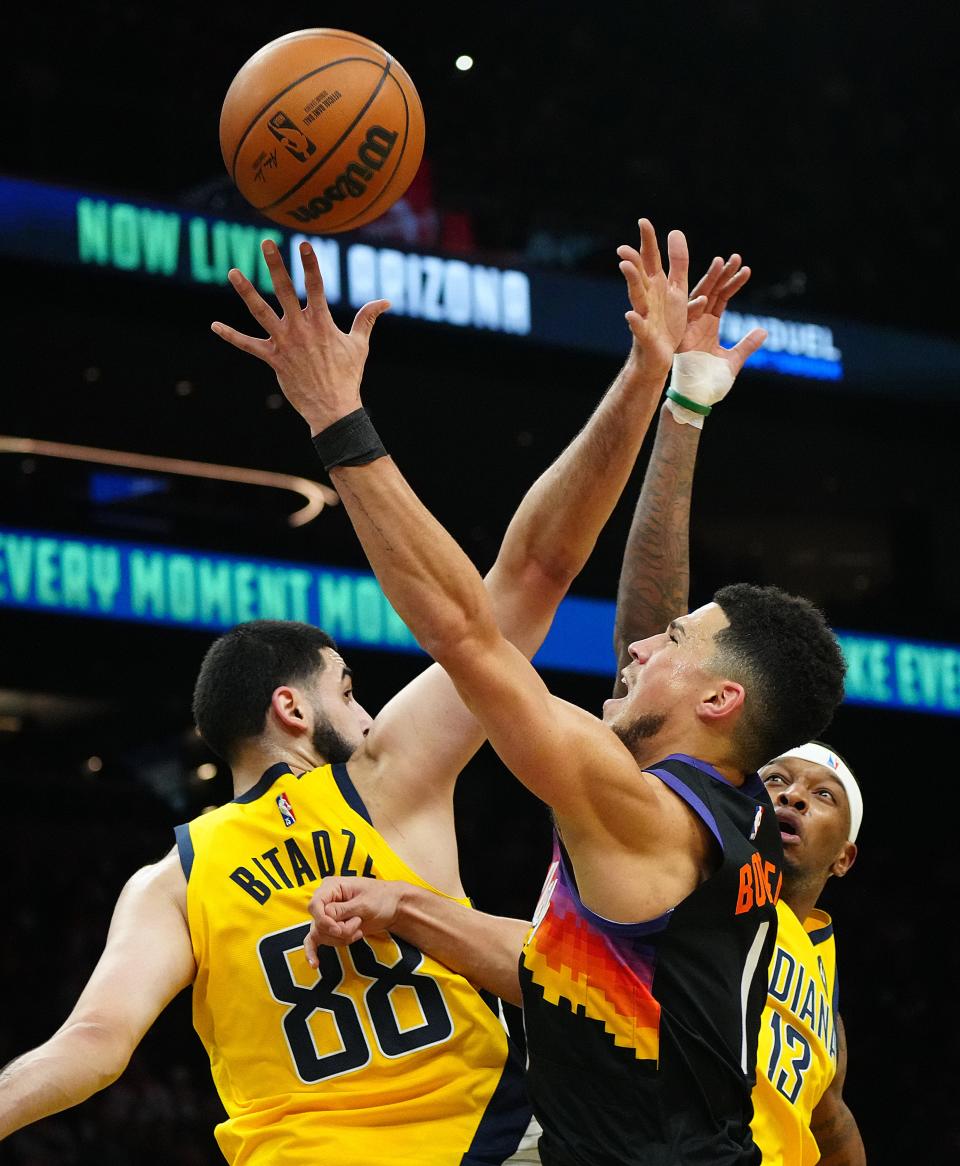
x=165 y=873
x=163 y=880
x=702 y=793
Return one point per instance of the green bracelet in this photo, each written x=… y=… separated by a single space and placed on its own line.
x=693 y=406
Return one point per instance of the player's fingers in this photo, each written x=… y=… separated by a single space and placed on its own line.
x=728 y=271
x=745 y=348
x=631 y=255
x=342 y=910
x=708 y=281
x=679 y=259
x=280 y=277
x=649 y=248
x=352 y=931
x=257 y=306
x=637 y=325
x=261 y=349
x=695 y=308
x=368 y=315
x=635 y=285
x=729 y=288
x=336 y=932
x=310 y=945
x=329 y=888
x=312 y=277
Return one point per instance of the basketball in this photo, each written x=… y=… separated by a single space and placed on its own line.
x=322 y=130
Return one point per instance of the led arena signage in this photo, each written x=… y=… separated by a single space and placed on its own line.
x=791 y=347
x=167 y=243
x=168 y=586
x=124 y=235
x=153 y=584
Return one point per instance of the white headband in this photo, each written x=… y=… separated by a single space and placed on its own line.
x=820 y=755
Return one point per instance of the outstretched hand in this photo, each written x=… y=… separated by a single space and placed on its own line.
x=658 y=299
x=318 y=367
x=719 y=285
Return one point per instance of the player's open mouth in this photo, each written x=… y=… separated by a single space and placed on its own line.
x=790 y=825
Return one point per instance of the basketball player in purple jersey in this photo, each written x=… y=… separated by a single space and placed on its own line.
x=644 y=976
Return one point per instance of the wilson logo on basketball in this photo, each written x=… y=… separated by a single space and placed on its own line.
x=352 y=183
x=293 y=139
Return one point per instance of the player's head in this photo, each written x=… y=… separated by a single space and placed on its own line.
x=819 y=808
x=281 y=677
x=751 y=674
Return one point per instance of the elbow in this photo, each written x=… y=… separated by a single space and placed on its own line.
x=458 y=634
x=548 y=565
x=106 y=1051
x=550 y=572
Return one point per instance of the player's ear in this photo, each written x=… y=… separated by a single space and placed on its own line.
x=844 y=860
x=287 y=706
x=722 y=700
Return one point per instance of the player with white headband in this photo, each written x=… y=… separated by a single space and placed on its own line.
x=824 y=756
x=800 y=1116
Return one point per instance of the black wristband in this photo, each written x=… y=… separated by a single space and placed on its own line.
x=351 y=441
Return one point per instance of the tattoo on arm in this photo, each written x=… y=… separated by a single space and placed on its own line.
x=655 y=576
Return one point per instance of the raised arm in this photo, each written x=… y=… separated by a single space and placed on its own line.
x=147 y=960
x=425 y=735
x=655 y=575
x=832 y=1124
x=654 y=579
x=427 y=577
x=548 y=541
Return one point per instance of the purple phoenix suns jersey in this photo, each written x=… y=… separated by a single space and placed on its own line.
x=642 y=1037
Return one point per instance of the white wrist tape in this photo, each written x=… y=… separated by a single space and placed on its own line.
x=684 y=416
x=702 y=377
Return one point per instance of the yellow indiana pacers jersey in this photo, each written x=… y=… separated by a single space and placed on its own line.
x=381 y=1055
x=797 y=1052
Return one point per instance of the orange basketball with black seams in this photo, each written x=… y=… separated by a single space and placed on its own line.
x=322 y=130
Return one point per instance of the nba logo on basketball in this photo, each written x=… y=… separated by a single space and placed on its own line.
x=286 y=810
x=293 y=139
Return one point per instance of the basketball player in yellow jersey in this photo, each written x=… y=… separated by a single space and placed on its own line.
x=800 y=1116
x=380 y=1055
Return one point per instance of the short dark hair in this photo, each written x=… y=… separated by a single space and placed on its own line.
x=241 y=671
x=779 y=647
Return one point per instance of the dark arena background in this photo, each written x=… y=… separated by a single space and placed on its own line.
x=813 y=138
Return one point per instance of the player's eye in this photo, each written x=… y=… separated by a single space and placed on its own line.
x=827 y=793
x=771 y=778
